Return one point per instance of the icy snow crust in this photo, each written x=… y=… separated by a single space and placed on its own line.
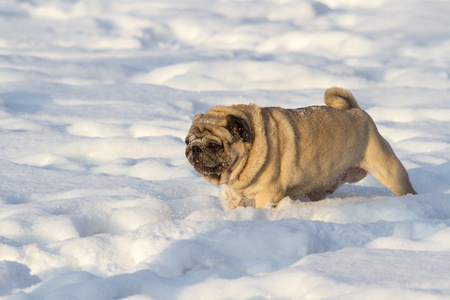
x=97 y=200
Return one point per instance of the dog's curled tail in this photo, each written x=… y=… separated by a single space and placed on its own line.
x=340 y=98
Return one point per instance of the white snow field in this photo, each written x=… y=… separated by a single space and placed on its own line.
x=97 y=200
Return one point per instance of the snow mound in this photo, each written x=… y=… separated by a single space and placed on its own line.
x=14 y=275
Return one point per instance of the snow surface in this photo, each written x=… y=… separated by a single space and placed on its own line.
x=97 y=200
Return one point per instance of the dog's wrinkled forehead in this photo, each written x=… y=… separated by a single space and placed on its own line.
x=225 y=122
x=207 y=128
x=199 y=131
x=208 y=124
x=212 y=132
x=210 y=119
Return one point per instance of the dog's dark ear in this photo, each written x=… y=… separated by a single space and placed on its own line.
x=240 y=127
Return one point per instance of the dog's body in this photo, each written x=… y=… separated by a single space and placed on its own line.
x=267 y=153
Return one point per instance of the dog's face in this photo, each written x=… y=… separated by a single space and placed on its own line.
x=215 y=142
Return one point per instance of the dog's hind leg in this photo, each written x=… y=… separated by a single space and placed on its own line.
x=381 y=161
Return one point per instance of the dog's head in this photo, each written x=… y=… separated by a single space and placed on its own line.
x=216 y=141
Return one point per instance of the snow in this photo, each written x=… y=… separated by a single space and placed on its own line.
x=97 y=200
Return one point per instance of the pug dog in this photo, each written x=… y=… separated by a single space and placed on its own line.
x=263 y=154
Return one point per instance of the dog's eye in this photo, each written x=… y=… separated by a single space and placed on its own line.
x=214 y=146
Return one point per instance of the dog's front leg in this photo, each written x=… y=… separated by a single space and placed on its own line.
x=263 y=199
x=230 y=199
